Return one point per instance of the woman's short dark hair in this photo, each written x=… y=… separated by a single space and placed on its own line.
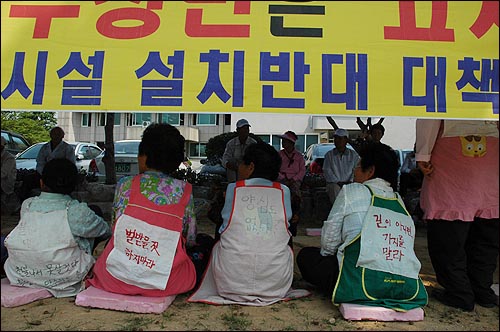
x=163 y=145
x=266 y=160
x=383 y=158
x=60 y=176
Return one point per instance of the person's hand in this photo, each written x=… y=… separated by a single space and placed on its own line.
x=426 y=167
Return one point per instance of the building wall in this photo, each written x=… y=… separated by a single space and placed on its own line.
x=400 y=132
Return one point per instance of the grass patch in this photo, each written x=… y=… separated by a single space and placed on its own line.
x=236 y=322
x=136 y=324
x=167 y=314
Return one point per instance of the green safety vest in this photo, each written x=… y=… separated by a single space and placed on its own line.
x=366 y=286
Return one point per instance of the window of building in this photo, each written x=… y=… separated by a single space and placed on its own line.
x=206 y=119
x=118 y=118
x=265 y=138
x=86 y=119
x=276 y=142
x=311 y=139
x=300 y=144
x=303 y=141
x=101 y=119
x=197 y=149
x=138 y=119
x=173 y=119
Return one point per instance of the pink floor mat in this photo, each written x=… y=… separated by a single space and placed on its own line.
x=14 y=296
x=363 y=312
x=97 y=298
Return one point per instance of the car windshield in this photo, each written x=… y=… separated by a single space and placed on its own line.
x=127 y=148
x=321 y=150
x=30 y=153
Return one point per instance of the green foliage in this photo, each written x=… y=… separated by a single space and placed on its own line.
x=216 y=145
x=34 y=126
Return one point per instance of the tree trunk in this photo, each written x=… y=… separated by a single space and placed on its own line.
x=109 y=146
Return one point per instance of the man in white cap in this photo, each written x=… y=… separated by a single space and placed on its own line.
x=339 y=164
x=235 y=148
x=9 y=199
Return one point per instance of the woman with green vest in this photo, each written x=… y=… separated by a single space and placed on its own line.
x=366 y=255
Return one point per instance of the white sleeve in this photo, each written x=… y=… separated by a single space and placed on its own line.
x=426 y=135
x=331 y=232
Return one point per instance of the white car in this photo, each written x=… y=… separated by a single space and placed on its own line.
x=84 y=153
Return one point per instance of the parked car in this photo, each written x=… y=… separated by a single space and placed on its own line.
x=315 y=155
x=84 y=153
x=15 y=142
x=126 y=152
x=402 y=153
x=212 y=166
x=125 y=160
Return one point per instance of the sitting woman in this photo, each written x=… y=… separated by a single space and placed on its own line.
x=291 y=173
x=155 y=221
x=52 y=245
x=366 y=255
x=252 y=263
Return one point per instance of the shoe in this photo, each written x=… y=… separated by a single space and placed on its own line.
x=444 y=298
x=490 y=303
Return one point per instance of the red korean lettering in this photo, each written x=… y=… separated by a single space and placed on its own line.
x=130 y=235
x=43 y=15
x=195 y=28
x=137 y=258
x=407 y=29
x=486 y=18
x=150 y=21
x=401 y=242
x=150 y=263
x=378 y=221
x=388 y=253
x=397 y=254
x=154 y=247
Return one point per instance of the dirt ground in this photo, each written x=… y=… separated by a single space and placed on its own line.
x=314 y=313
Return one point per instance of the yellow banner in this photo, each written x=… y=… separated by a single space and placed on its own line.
x=423 y=59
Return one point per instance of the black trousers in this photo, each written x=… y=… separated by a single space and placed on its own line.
x=321 y=271
x=464 y=256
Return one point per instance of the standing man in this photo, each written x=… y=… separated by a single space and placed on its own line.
x=56 y=148
x=339 y=164
x=235 y=148
x=377 y=131
x=9 y=199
